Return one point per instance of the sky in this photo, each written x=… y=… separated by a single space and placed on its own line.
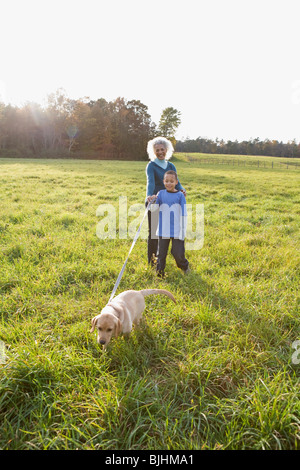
x=232 y=68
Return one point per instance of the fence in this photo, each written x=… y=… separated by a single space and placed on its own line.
x=243 y=163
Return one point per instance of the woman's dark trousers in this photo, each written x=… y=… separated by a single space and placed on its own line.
x=152 y=237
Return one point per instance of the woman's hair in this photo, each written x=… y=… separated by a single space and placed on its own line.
x=160 y=141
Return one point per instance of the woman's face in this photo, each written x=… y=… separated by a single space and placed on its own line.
x=160 y=151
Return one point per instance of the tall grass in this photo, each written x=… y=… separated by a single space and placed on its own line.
x=214 y=371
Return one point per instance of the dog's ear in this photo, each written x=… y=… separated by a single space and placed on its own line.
x=118 y=328
x=94 y=320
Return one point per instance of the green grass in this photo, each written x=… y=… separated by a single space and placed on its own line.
x=214 y=371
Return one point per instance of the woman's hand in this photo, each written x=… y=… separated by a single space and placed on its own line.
x=151 y=198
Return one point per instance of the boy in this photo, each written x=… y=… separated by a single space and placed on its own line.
x=172 y=224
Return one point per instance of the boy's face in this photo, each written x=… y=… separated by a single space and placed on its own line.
x=170 y=182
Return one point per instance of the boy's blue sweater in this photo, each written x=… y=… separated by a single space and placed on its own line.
x=172 y=214
x=155 y=176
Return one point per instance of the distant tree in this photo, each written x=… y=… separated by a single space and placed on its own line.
x=118 y=129
x=139 y=127
x=130 y=128
x=59 y=110
x=96 y=131
x=251 y=147
x=169 y=121
x=3 y=126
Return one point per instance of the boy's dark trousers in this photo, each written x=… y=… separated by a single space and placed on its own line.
x=178 y=251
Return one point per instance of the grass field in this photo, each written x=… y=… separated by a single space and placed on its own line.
x=218 y=370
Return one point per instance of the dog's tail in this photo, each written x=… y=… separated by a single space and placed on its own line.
x=146 y=292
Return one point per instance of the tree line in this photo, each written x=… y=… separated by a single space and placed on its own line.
x=101 y=129
x=256 y=146
x=82 y=128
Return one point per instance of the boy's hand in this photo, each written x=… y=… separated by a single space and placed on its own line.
x=151 y=198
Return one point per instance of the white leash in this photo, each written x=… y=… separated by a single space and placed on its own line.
x=131 y=248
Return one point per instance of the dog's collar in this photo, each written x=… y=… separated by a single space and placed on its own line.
x=110 y=304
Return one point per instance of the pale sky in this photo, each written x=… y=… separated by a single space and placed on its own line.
x=232 y=67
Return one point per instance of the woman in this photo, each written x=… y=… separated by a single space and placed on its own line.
x=159 y=150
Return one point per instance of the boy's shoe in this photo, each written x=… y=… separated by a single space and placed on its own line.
x=160 y=274
x=153 y=261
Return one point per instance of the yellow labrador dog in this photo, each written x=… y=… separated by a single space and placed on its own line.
x=121 y=313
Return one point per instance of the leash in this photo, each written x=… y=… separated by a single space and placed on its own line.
x=131 y=248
